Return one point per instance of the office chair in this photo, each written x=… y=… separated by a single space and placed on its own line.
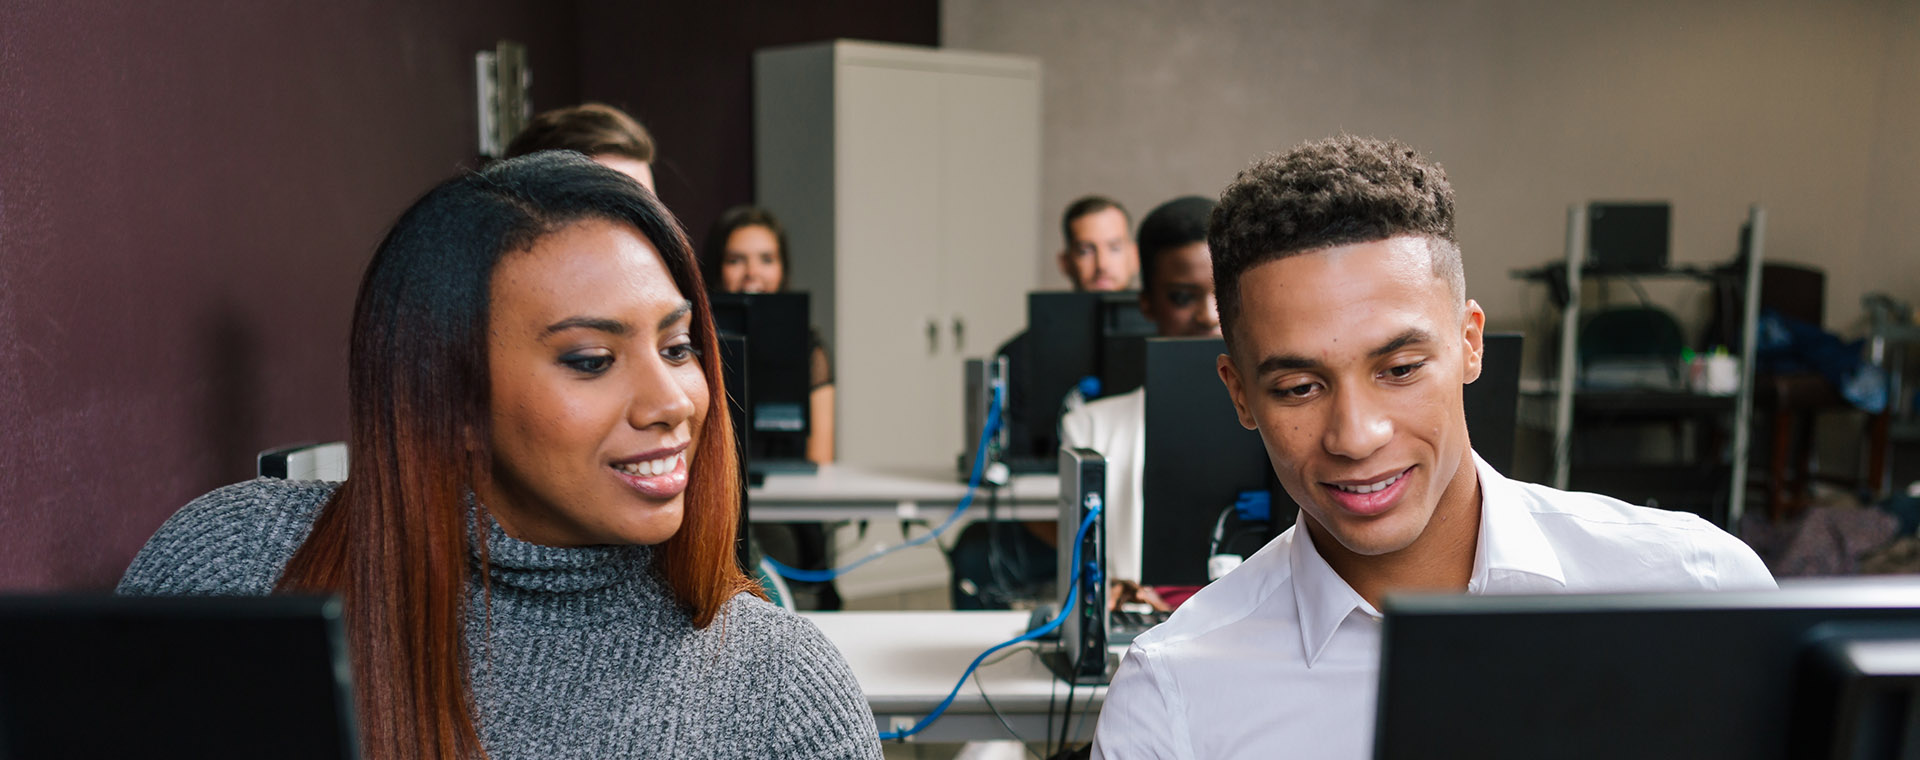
x=1642 y=337
x=1629 y=350
x=775 y=587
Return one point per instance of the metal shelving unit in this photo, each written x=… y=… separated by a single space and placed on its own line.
x=1565 y=387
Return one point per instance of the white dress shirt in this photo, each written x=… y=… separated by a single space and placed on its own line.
x=1281 y=657
x=1116 y=426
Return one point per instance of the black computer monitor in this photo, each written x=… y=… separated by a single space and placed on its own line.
x=1629 y=237
x=778 y=372
x=1199 y=460
x=1493 y=401
x=1070 y=336
x=202 y=677
x=1824 y=670
x=733 y=362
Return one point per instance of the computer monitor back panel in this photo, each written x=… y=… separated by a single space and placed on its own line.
x=1198 y=460
x=779 y=363
x=1698 y=676
x=1124 y=330
x=1492 y=402
x=216 y=678
x=733 y=353
x=1628 y=237
x=1071 y=336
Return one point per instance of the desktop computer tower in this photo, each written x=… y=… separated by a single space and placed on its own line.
x=981 y=377
x=1083 y=632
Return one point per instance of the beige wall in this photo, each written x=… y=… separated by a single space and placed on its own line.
x=1808 y=108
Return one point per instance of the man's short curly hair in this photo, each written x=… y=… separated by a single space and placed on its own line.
x=1332 y=192
x=1172 y=225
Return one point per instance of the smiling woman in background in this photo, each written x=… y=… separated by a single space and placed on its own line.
x=539 y=473
x=747 y=253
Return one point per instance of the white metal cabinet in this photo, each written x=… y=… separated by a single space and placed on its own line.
x=908 y=179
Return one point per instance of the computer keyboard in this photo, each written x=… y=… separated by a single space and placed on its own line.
x=1124 y=624
x=1136 y=621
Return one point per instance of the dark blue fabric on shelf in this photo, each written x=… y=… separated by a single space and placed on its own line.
x=1789 y=345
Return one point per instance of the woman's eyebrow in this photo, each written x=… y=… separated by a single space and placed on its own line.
x=611 y=326
x=686 y=307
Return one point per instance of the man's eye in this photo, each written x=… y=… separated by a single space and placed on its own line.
x=591 y=364
x=1182 y=298
x=1405 y=371
x=1302 y=390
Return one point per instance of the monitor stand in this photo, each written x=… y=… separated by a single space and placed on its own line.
x=766 y=467
x=1031 y=465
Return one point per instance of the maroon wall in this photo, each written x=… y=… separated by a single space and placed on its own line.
x=686 y=71
x=188 y=193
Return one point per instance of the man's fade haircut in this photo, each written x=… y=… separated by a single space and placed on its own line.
x=1327 y=193
x=1092 y=204
x=1177 y=223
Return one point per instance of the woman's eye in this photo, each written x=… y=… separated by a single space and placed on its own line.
x=680 y=353
x=591 y=364
x=1405 y=371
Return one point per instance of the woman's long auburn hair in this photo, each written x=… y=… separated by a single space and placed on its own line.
x=395 y=540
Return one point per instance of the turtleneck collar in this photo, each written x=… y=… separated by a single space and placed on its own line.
x=562 y=570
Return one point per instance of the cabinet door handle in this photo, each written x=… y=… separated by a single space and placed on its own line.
x=933 y=336
x=959 y=333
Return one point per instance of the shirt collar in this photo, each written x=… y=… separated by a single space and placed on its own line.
x=1510 y=551
x=1513 y=555
x=1323 y=599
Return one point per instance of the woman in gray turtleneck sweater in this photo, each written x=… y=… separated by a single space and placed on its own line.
x=535 y=545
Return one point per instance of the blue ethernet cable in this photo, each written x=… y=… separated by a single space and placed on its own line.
x=973 y=485
x=1073 y=594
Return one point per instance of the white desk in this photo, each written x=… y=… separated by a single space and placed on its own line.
x=854 y=492
x=906 y=663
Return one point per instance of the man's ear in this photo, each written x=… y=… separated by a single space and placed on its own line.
x=1473 y=338
x=1230 y=377
x=1066 y=268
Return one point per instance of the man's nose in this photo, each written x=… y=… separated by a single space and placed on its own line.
x=1359 y=425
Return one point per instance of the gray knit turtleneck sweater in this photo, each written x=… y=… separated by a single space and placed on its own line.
x=586 y=654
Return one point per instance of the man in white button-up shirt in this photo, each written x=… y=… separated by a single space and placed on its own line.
x=1350 y=339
